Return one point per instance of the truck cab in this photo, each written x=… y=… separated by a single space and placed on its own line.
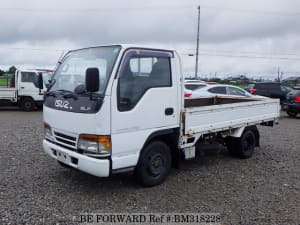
x=121 y=108
x=23 y=91
x=104 y=131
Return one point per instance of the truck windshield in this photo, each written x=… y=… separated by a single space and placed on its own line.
x=71 y=72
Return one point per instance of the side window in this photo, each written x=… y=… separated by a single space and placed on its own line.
x=236 y=91
x=46 y=77
x=218 y=90
x=140 y=74
x=142 y=67
x=27 y=77
x=285 y=89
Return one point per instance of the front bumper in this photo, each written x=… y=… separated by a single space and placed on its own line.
x=96 y=167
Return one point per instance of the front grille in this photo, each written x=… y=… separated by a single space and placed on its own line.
x=65 y=136
x=65 y=140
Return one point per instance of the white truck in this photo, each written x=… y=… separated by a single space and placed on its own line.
x=121 y=108
x=22 y=90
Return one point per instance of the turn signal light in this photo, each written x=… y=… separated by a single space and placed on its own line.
x=105 y=140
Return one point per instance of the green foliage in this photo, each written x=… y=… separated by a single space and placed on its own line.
x=12 y=70
x=1 y=72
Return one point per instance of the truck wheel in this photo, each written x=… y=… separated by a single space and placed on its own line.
x=27 y=104
x=291 y=114
x=154 y=164
x=242 y=147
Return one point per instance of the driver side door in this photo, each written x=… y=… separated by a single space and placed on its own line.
x=144 y=100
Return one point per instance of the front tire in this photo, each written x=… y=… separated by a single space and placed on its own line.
x=154 y=164
x=291 y=114
x=27 y=104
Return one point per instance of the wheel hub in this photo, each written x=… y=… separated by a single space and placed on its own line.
x=248 y=144
x=155 y=164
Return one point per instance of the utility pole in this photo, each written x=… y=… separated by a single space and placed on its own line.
x=197 y=48
x=278 y=75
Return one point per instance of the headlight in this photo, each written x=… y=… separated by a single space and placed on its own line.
x=47 y=132
x=95 y=144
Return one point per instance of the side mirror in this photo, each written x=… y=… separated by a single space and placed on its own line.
x=38 y=81
x=92 y=81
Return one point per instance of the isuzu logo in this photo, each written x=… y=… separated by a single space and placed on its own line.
x=62 y=104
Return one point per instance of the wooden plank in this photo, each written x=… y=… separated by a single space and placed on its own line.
x=217 y=100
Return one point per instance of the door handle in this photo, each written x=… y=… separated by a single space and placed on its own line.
x=169 y=111
x=22 y=87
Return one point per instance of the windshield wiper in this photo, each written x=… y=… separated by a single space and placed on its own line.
x=51 y=93
x=68 y=94
x=65 y=93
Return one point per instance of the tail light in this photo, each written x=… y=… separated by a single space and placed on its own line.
x=252 y=90
x=10 y=84
x=187 y=95
x=297 y=99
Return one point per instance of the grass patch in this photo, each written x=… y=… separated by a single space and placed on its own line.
x=4 y=80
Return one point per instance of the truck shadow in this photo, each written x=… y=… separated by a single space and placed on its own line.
x=73 y=177
x=9 y=106
x=125 y=181
x=206 y=158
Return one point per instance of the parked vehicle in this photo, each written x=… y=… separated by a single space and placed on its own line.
x=221 y=90
x=296 y=87
x=187 y=81
x=192 y=85
x=47 y=75
x=270 y=89
x=187 y=93
x=22 y=90
x=292 y=105
x=121 y=108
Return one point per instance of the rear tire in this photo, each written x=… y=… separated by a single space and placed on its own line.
x=291 y=114
x=154 y=164
x=27 y=104
x=244 y=146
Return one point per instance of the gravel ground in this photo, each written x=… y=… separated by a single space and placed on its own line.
x=265 y=189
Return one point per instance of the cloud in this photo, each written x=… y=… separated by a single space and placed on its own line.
x=234 y=27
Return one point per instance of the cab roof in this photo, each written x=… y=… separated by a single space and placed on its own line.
x=128 y=46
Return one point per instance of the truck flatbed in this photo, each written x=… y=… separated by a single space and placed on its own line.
x=227 y=113
x=8 y=93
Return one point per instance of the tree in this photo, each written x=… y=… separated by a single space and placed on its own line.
x=12 y=70
x=1 y=72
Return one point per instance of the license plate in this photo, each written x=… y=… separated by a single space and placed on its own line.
x=61 y=156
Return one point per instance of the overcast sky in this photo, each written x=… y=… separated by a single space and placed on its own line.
x=236 y=36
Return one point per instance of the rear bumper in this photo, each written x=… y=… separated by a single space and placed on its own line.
x=96 y=167
x=294 y=107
